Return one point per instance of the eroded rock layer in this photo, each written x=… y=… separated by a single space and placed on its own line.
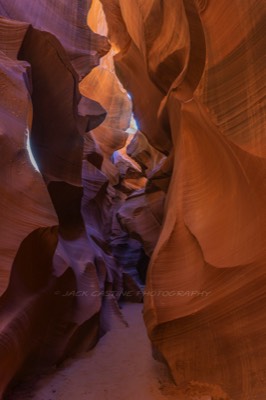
x=186 y=194
x=60 y=278
x=196 y=73
x=67 y=22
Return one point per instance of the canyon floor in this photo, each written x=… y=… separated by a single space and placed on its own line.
x=120 y=367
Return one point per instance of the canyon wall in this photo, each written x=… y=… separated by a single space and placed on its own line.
x=196 y=74
x=186 y=194
x=63 y=264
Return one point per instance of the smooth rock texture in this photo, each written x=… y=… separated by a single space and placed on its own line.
x=186 y=195
x=21 y=186
x=48 y=273
x=204 y=293
x=63 y=264
x=101 y=85
x=67 y=22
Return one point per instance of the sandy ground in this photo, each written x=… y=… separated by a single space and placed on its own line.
x=120 y=367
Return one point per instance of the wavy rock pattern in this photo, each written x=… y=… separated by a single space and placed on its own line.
x=63 y=264
x=144 y=154
x=48 y=273
x=21 y=185
x=100 y=85
x=195 y=202
x=197 y=89
x=67 y=22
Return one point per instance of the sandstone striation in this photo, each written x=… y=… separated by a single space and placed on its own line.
x=196 y=76
x=181 y=204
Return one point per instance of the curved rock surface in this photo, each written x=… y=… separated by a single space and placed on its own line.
x=198 y=87
x=53 y=278
x=88 y=222
x=21 y=185
x=67 y=22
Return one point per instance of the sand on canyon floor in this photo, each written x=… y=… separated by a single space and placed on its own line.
x=120 y=367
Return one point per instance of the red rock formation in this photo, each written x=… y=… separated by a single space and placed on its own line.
x=53 y=279
x=21 y=185
x=67 y=22
x=60 y=284
x=195 y=70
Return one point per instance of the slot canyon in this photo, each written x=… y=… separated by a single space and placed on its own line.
x=133 y=199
